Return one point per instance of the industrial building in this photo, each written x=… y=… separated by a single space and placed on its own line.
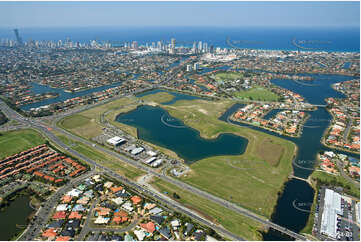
x=116 y=140
x=332 y=207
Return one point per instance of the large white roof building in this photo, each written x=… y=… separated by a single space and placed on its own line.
x=332 y=207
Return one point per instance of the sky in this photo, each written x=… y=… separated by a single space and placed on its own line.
x=87 y=14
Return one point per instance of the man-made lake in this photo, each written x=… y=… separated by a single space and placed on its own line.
x=156 y=126
x=13 y=217
x=152 y=129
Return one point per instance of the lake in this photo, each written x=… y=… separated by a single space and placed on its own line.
x=156 y=126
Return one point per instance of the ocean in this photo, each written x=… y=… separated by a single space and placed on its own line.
x=340 y=39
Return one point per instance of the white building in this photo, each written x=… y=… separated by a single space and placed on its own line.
x=137 y=151
x=332 y=207
x=116 y=141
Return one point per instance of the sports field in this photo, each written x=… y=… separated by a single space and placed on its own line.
x=257 y=93
x=227 y=76
x=13 y=142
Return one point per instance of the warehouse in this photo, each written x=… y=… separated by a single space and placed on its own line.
x=137 y=151
x=332 y=207
x=150 y=160
x=116 y=141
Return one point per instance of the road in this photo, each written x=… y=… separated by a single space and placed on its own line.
x=44 y=212
x=340 y=166
x=11 y=114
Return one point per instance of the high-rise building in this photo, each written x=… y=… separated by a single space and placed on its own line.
x=200 y=46
x=194 y=49
x=172 y=42
x=195 y=66
x=135 y=45
x=160 y=45
x=189 y=68
x=19 y=41
x=211 y=49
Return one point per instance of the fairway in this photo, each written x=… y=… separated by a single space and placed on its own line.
x=257 y=93
x=13 y=142
x=261 y=170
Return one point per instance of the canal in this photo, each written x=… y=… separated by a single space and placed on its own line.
x=309 y=145
x=13 y=218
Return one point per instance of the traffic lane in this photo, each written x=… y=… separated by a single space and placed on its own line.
x=183 y=185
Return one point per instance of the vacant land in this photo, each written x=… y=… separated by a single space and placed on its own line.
x=101 y=158
x=270 y=152
x=260 y=171
x=160 y=97
x=13 y=142
x=230 y=220
x=257 y=93
x=81 y=125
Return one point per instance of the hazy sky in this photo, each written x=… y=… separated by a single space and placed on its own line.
x=57 y=14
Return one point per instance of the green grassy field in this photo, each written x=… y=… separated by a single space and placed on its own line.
x=13 y=142
x=81 y=125
x=160 y=97
x=230 y=220
x=257 y=93
x=349 y=187
x=260 y=171
x=101 y=158
x=227 y=76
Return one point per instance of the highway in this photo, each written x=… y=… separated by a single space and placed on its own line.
x=42 y=128
x=44 y=212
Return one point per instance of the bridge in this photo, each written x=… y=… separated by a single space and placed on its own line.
x=10 y=113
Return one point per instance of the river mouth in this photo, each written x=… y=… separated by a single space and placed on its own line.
x=156 y=126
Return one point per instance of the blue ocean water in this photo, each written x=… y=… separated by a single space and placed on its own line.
x=280 y=38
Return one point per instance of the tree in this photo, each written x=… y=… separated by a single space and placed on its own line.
x=176 y=196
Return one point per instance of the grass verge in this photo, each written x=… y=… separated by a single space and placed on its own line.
x=230 y=220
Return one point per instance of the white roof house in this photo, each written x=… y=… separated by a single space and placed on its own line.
x=118 y=200
x=140 y=234
x=74 y=193
x=127 y=206
x=101 y=220
x=62 y=207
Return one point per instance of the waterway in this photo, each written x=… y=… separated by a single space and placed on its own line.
x=13 y=216
x=39 y=89
x=295 y=191
x=156 y=126
x=309 y=145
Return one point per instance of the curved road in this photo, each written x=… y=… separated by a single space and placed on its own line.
x=44 y=129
